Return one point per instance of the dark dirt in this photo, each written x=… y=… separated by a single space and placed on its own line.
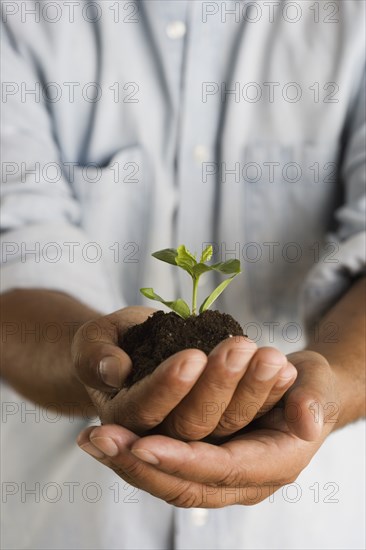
x=163 y=334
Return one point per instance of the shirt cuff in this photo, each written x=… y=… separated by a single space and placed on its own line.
x=331 y=278
x=56 y=257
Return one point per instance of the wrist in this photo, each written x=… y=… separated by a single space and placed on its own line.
x=37 y=355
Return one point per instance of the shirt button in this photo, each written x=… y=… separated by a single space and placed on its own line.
x=199 y=516
x=176 y=29
x=200 y=153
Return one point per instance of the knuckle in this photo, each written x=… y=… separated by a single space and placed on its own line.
x=136 y=469
x=232 y=478
x=170 y=375
x=225 y=381
x=228 y=425
x=235 y=343
x=134 y=417
x=258 y=390
x=186 y=429
x=146 y=422
x=246 y=343
x=187 y=497
x=253 y=390
x=270 y=354
x=250 y=345
x=77 y=361
x=76 y=344
x=253 y=500
x=174 y=369
x=120 y=472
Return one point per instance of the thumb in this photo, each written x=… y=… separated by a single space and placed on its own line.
x=307 y=399
x=98 y=361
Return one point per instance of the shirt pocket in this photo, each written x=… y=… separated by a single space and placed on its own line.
x=290 y=194
x=115 y=205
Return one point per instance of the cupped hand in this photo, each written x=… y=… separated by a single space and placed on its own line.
x=190 y=395
x=244 y=470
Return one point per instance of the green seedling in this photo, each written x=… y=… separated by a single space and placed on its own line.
x=181 y=257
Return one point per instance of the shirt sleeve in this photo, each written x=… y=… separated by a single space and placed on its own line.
x=331 y=277
x=43 y=244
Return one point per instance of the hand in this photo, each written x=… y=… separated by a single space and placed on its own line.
x=244 y=470
x=189 y=396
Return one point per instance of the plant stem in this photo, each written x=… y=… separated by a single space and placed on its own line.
x=194 y=296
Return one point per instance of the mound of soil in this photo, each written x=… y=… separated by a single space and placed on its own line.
x=163 y=334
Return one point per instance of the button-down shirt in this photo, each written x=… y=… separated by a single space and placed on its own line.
x=134 y=126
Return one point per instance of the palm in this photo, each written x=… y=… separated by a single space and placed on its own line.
x=267 y=454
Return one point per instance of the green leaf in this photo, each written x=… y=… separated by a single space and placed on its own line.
x=181 y=257
x=167 y=255
x=207 y=254
x=178 y=306
x=185 y=259
x=216 y=293
x=183 y=252
x=229 y=267
x=201 y=268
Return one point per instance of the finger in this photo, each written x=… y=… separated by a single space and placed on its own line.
x=106 y=446
x=194 y=460
x=145 y=404
x=199 y=412
x=259 y=457
x=285 y=380
x=98 y=361
x=253 y=391
x=308 y=398
x=113 y=442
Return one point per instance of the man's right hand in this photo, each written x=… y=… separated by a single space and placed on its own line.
x=190 y=395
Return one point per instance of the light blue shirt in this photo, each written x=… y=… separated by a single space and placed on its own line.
x=134 y=126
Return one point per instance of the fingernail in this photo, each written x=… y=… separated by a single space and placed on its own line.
x=110 y=371
x=265 y=371
x=91 y=450
x=286 y=375
x=81 y=436
x=191 y=369
x=146 y=456
x=106 y=445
